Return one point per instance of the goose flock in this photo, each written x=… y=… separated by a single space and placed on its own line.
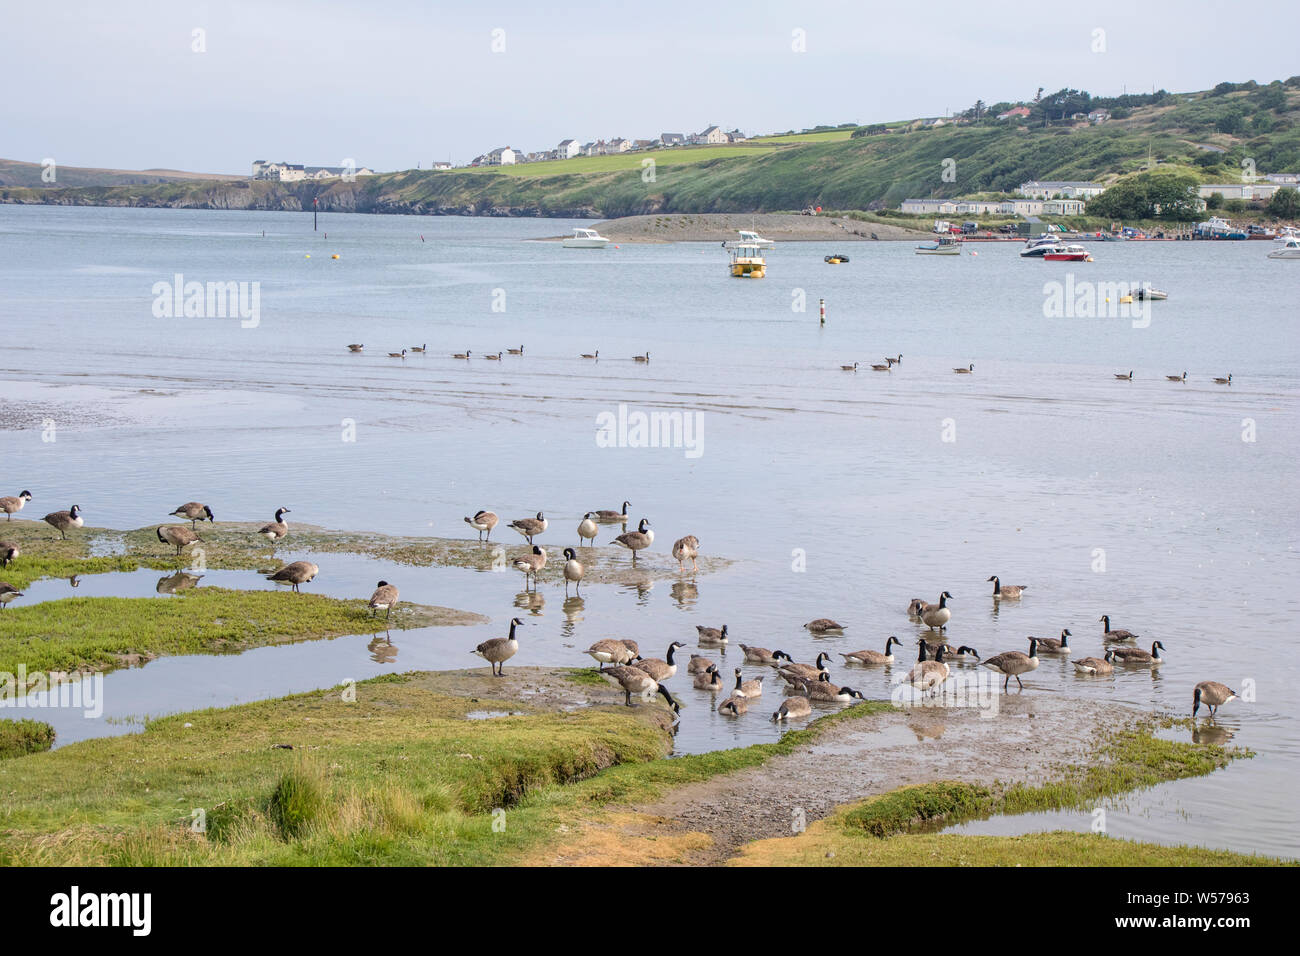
x=498 y=356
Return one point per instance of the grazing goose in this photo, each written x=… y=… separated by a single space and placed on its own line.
x=591 y=355
x=1096 y=665
x=641 y=358
x=177 y=535
x=687 y=548
x=886 y=366
x=1177 y=378
x=12 y=504
x=747 y=688
x=873 y=657
x=700 y=664
x=63 y=520
x=384 y=599
x=823 y=689
x=632 y=646
x=1012 y=592
x=794 y=674
x=518 y=351
x=1208 y=692
x=528 y=527
x=462 y=355
x=614 y=515
x=483 y=521
x=761 y=655
x=733 y=706
x=420 y=348
x=10 y=593
x=194 y=510
x=1052 y=645
x=636 y=681
x=1223 y=381
x=1125 y=378
x=573 y=571
x=710 y=680
x=400 y=355
x=493 y=358
x=8 y=552
x=637 y=540
x=937 y=615
x=926 y=675
x=277 y=529
x=895 y=361
x=1135 y=655
x=300 y=572
x=355 y=347
x=822 y=625
x=1116 y=636
x=849 y=368
x=793 y=707
x=498 y=650
x=610 y=651
x=587 y=529
x=965 y=371
x=531 y=564
x=661 y=669
x=1014 y=663
x=711 y=635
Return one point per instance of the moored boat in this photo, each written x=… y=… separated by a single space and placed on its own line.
x=1290 y=250
x=747 y=262
x=586 y=239
x=1070 y=253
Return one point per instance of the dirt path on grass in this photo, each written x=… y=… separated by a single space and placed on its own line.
x=706 y=823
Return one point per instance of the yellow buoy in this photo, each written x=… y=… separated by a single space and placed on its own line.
x=335 y=256
x=307 y=256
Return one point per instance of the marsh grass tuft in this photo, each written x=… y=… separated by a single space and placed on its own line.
x=298 y=800
x=21 y=737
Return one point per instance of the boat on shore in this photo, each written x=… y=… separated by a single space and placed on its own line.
x=1070 y=253
x=586 y=239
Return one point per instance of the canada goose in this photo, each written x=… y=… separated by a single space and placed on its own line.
x=661 y=669
x=1012 y=592
x=1135 y=655
x=384 y=599
x=937 y=615
x=711 y=635
x=610 y=651
x=965 y=371
x=8 y=552
x=794 y=673
x=178 y=535
x=914 y=607
x=637 y=540
x=300 y=572
x=573 y=571
x=462 y=355
x=734 y=706
x=761 y=655
x=684 y=548
x=498 y=650
x=823 y=689
x=614 y=515
x=12 y=504
x=420 y=348
x=518 y=351
x=926 y=675
x=10 y=593
x=699 y=664
x=587 y=529
x=894 y=361
x=849 y=368
x=1208 y=692
x=1014 y=663
x=531 y=564
x=1223 y=381
x=63 y=520
x=710 y=680
x=822 y=625
x=173 y=583
x=888 y=366
x=1177 y=378
x=194 y=510
x=747 y=688
x=873 y=657
x=636 y=681
x=1052 y=645
x=400 y=355
x=1095 y=665
x=591 y=355
x=1116 y=636
x=277 y=529
x=483 y=521
x=355 y=347
x=793 y=707
x=632 y=646
x=1125 y=378
x=529 y=527
x=493 y=358
x=641 y=358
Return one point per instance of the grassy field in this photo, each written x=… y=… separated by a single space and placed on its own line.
x=822 y=136
x=585 y=165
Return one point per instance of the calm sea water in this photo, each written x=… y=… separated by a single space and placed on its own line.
x=1054 y=464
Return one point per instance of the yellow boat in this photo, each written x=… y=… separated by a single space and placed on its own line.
x=747 y=262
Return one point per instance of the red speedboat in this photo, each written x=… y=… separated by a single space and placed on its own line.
x=1067 y=254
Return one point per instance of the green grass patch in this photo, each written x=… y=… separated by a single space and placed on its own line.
x=21 y=737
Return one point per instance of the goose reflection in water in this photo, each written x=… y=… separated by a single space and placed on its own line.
x=382 y=649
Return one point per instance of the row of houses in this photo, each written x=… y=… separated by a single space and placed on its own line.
x=1265 y=189
x=295 y=172
x=993 y=207
x=571 y=148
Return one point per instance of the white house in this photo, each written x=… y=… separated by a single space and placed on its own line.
x=1283 y=179
x=736 y=136
x=1063 y=207
x=1227 y=190
x=501 y=156
x=673 y=139
x=1064 y=190
x=712 y=135
x=1021 y=207
x=441 y=166
x=568 y=148
x=929 y=207
x=619 y=145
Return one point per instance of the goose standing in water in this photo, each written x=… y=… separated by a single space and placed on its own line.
x=937 y=615
x=196 y=511
x=610 y=651
x=633 y=680
x=637 y=540
x=498 y=650
x=62 y=521
x=1012 y=592
x=687 y=548
x=661 y=670
x=12 y=504
x=927 y=675
x=300 y=572
x=384 y=599
x=1213 y=695
x=873 y=657
x=587 y=529
x=573 y=571
x=531 y=564
x=276 y=530
x=1014 y=663
x=529 y=527
x=483 y=521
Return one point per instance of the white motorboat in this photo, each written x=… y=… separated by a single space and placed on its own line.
x=751 y=240
x=1290 y=250
x=1037 y=248
x=586 y=239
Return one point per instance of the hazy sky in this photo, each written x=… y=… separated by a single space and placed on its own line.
x=394 y=83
